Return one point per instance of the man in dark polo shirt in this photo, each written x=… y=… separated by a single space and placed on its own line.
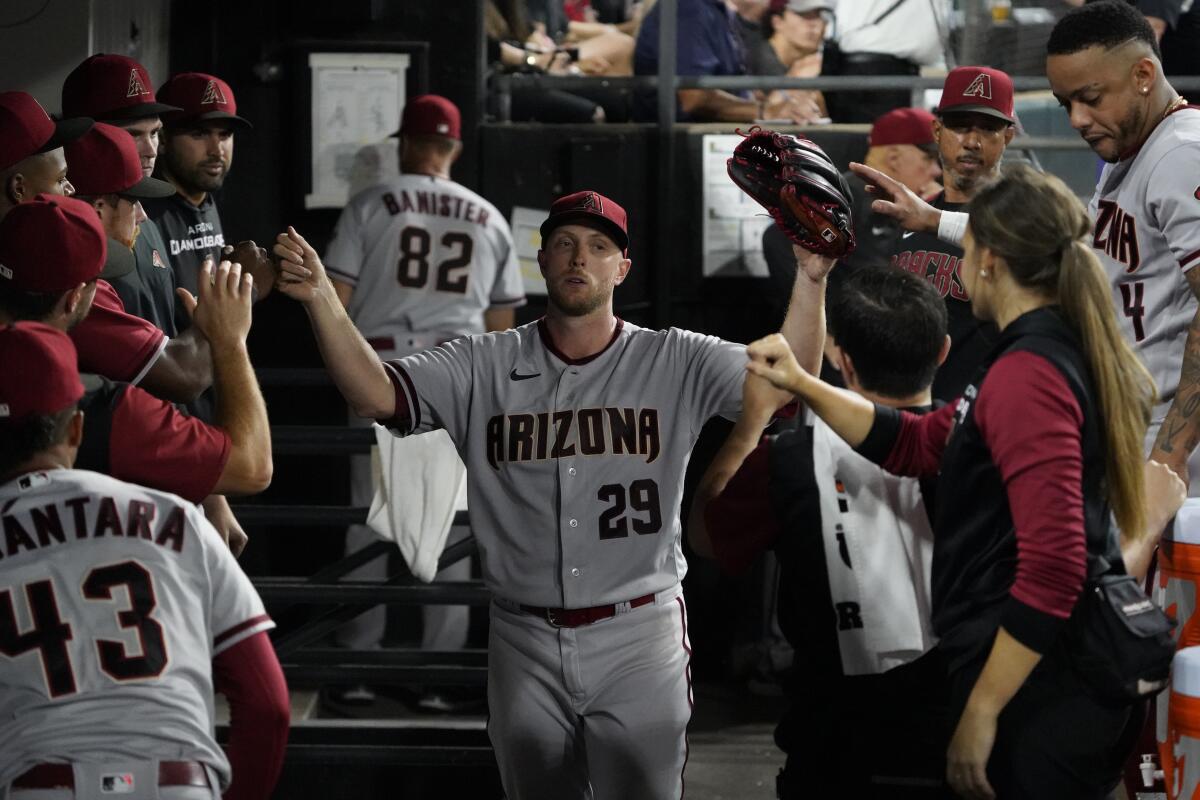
x=974 y=125
x=196 y=154
x=117 y=90
x=854 y=546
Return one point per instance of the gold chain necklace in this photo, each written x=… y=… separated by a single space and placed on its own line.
x=1177 y=103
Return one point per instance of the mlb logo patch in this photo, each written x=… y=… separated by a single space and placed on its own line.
x=156 y=259
x=121 y=783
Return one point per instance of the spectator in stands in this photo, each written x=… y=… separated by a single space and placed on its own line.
x=750 y=23
x=883 y=38
x=796 y=31
x=601 y=49
x=1176 y=23
x=707 y=44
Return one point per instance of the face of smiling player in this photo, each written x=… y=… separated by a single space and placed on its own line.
x=1101 y=91
x=581 y=266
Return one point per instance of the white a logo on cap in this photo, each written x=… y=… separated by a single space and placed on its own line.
x=5 y=272
x=212 y=94
x=136 y=87
x=980 y=87
x=443 y=127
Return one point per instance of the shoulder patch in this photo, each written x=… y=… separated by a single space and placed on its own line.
x=156 y=259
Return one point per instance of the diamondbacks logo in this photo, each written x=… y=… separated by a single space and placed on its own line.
x=136 y=87
x=980 y=87
x=213 y=95
x=156 y=259
x=592 y=202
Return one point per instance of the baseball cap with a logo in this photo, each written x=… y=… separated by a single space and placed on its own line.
x=979 y=90
x=105 y=161
x=200 y=98
x=26 y=129
x=801 y=6
x=111 y=87
x=51 y=244
x=41 y=373
x=591 y=209
x=903 y=126
x=431 y=115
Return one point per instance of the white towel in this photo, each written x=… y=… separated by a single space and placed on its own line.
x=419 y=483
x=879 y=551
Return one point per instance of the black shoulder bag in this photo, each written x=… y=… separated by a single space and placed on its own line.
x=1118 y=640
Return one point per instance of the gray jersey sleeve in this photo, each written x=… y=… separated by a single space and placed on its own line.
x=1173 y=199
x=236 y=610
x=716 y=370
x=433 y=389
x=345 y=254
x=509 y=289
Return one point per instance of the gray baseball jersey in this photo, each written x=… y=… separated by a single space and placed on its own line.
x=1146 y=212
x=574 y=467
x=423 y=254
x=114 y=599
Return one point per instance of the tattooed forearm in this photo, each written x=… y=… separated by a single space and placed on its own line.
x=1180 y=432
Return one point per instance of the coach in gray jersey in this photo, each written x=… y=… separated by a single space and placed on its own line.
x=576 y=431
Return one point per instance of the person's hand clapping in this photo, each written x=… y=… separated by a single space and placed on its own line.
x=301 y=274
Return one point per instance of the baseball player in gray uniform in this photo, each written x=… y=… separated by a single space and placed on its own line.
x=576 y=431
x=419 y=259
x=120 y=610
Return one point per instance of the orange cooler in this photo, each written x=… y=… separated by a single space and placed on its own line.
x=1181 y=761
x=1176 y=591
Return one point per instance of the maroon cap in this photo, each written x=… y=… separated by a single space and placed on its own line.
x=592 y=209
x=109 y=87
x=431 y=115
x=51 y=244
x=41 y=372
x=26 y=129
x=902 y=126
x=105 y=161
x=200 y=98
x=981 y=90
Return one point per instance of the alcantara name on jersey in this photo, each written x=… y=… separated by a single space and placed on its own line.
x=46 y=524
x=527 y=437
x=435 y=204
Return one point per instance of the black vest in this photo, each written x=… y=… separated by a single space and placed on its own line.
x=975 y=544
x=101 y=397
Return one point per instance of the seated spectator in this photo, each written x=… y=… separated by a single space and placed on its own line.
x=598 y=49
x=707 y=44
x=853 y=545
x=796 y=31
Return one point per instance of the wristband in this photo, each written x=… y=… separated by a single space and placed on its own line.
x=952 y=226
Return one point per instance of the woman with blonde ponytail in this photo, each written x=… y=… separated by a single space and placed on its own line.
x=1034 y=461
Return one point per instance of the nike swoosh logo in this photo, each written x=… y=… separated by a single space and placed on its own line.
x=907 y=234
x=516 y=376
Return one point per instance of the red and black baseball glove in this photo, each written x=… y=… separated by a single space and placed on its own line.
x=795 y=181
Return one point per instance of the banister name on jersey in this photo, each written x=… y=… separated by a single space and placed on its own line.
x=574 y=468
x=1146 y=232
x=423 y=254
x=114 y=599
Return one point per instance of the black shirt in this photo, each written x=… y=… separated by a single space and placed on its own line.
x=877 y=236
x=149 y=291
x=191 y=234
x=940 y=263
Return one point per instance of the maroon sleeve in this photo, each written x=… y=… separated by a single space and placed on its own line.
x=112 y=343
x=402 y=386
x=1031 y=422
x=154 y=445
x=249 y=676
x=741 y=521
x=909 y=444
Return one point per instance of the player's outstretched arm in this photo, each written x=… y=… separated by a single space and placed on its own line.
x=183 y=371
x=351 y=362
x=804 y=323
x=895 y=200
x=1180 y=431
x=850 y=415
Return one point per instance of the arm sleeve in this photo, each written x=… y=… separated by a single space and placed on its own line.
x=155 y=445
x=1173 y=200
x=509 y=289
x=249 y=676
x=716 y=371
x=908 y=444
x=112 y=343
x=344 y=256
x=433 y=389
x=741 y=521
x=1031 y=422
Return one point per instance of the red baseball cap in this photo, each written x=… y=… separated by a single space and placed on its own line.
x=592 y=209
x=41 y=372
x=902 y=126
x=109 y=87
x=105 y=161
x=51 y=244
x=979 y=90
x=200 y=98
x=431 y=115
x=26 y=129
